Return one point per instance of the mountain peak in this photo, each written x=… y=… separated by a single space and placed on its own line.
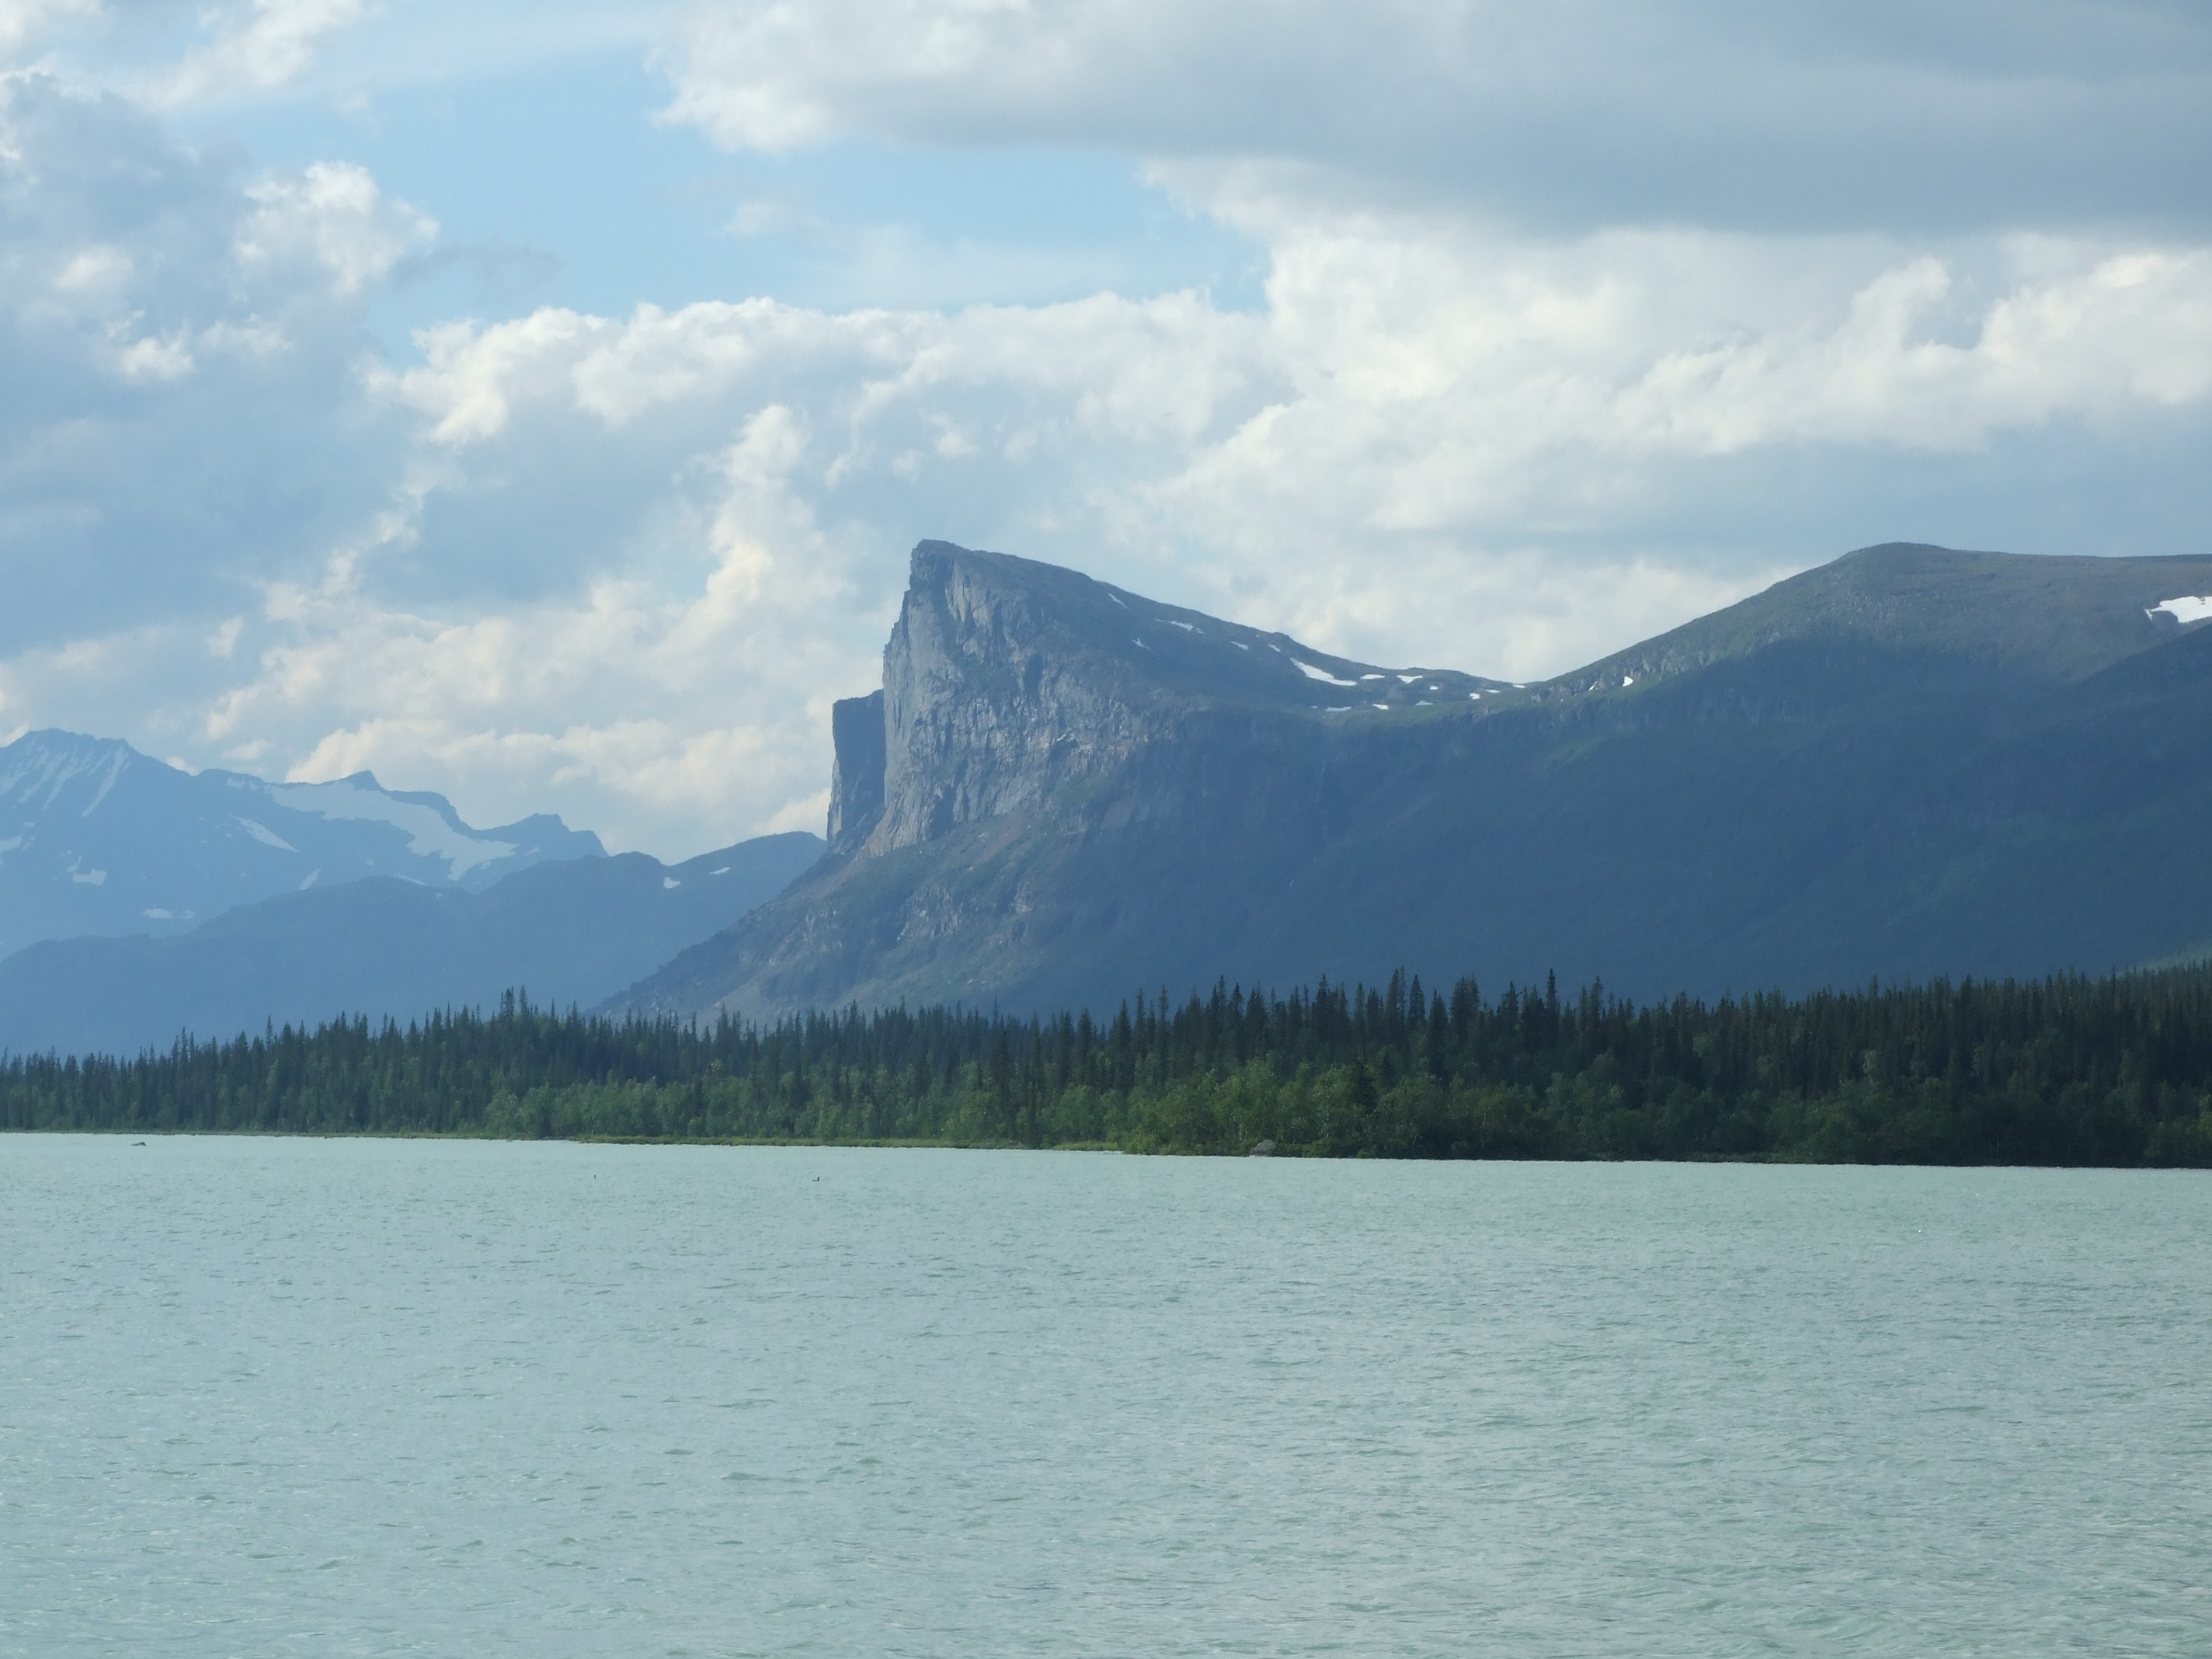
x=97 y=838
x=42 y=767
x=1008 y=684
x=1912 y=761
x=2050 y=617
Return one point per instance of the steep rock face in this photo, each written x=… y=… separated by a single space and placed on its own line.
x=856 y=775
x=1014 y=688
x=1909 y=762
x=992 y=702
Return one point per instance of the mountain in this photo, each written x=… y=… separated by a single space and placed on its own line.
x=1911 y=762
x=97 y=838
x=570 y=931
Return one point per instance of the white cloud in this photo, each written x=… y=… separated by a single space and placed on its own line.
x=152 y=360
x=1432 y=446
x=192 y=56
x=1451 y=383
x=1401 y=380
x=1501 y=415
x=333 y=216
x=98 y=273
x=26 y=24
x=2133 y=330
x=257 y=49
x=656 y=717
x=182 y=422
x=1579 y=115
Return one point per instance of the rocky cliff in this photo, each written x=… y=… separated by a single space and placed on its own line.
x=1907 y=762
x=1014 y=688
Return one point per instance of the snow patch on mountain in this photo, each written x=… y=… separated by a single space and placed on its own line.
x=101 y=840
x=2193 y=607
x=41 y=771
x=116 y=763
x=266 y=836
x=430 y=834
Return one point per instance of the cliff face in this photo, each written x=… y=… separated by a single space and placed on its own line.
x=1012 y=687
x=992 y=701
x=856 y=775
x=1906 y=763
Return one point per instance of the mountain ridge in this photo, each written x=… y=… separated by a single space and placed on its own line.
x=567 y=931
x=97 y=838
x=1834 y=778
x=2061 y=613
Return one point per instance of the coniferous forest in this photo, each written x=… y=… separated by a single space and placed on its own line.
x=2063 y=1071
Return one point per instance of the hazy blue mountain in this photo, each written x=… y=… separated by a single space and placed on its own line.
x=571 y=931
x=1908 y=762
x=97 y=838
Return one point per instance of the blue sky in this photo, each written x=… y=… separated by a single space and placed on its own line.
x=538 y=404
x=573 y=193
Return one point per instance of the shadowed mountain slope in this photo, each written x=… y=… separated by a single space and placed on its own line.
x=1910 y=761
x=568 y=932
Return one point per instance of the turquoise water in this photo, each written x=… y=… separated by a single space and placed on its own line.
x=300 y=1397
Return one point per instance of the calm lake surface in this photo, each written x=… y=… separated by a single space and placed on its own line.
x=303 y=1397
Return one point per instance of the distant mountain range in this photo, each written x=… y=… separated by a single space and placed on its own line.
x=1911 y=761
x=568 y=933
x=147 y=902
x=97 y=838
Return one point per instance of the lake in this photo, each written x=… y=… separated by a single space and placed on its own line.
x=340 y=1397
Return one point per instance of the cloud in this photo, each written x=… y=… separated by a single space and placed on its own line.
x=683 y=531
x=179 y=345
x=171 y=55
x=192 y=56
x=1797 y=118
x=26 y=24
x=256 y=50
x=652 y=714
x=331 y=215
x=1402 y=378
x=1533 y=375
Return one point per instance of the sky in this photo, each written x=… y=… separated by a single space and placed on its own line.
x=537 y=403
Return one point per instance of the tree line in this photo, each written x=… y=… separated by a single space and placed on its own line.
x=2067 y=1070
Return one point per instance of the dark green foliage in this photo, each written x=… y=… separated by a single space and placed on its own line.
x=2063 y=1071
